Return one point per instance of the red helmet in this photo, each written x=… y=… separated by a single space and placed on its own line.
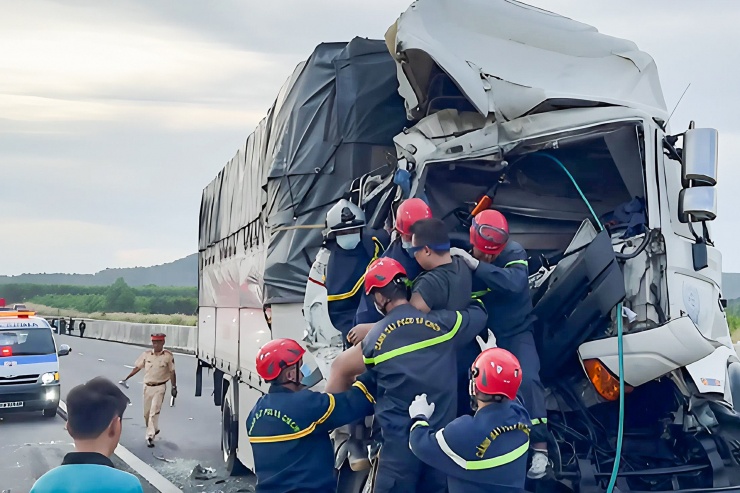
x=275 y=356
x=381 y=272
x=489 y=232
x=409 y=212
x=496 y=372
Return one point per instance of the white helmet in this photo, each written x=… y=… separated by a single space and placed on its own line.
x=342 y=216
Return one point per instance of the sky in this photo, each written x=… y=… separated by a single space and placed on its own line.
x=115 y=115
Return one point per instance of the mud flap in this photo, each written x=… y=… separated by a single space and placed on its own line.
x=199 y=379
x=218 y=385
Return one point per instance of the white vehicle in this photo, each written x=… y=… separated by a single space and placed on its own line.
x=565 y=130
x=29 y=364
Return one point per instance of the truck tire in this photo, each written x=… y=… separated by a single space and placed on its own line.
x=229 y=441
x=350 y=481
x=50 y=413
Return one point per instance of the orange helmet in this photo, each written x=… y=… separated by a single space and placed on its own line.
x=496 y=372
x=489 y=232
x=409 y=212
x=382 y=272
x=276 y=355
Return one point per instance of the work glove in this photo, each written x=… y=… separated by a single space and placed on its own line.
x=469 y=260
x=420 y=407
x=173 y=392
x=489 y=344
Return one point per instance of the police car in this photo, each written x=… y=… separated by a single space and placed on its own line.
x=29 y=364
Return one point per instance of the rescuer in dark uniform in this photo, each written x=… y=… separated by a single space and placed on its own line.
x=407 y=352
x=501 y=273
x=486 y=452
x=352 y=249
x=289 y=427
x=409 y=212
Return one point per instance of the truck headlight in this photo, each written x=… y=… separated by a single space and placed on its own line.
x=48 y=378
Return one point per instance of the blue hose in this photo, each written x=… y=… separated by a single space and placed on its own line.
x=620 y=337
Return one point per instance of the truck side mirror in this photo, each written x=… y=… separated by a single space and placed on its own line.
x=700 y=157
x=697 y=204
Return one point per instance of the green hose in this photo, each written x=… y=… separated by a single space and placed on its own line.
x=620 y=338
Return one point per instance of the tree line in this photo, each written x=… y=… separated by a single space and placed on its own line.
x=118 y=297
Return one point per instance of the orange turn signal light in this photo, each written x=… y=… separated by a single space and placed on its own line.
x=605 y=383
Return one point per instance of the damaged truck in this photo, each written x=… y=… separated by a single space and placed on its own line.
x=565 y=131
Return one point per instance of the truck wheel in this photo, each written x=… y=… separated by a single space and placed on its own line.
x=50 y=413
x=229 y=441
x=350 y=481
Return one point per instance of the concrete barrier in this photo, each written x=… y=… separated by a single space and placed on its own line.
x=180 y=337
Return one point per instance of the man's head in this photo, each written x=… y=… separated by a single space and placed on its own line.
x=279 y=361
x=496 y=375
x=158 y=342
x=95 y=410
x=408 y=213
x=385 y=282
x=430 y=243
x=489 y=234
x=344 y=223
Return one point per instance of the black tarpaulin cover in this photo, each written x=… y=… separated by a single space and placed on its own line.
x=333 y=121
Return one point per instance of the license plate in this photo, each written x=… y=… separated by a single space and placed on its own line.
x=4 y=405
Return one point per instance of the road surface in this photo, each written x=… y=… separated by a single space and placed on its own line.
x=31 y=445
x=190 y=430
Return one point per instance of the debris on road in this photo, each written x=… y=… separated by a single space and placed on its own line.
x=165 y=459
x=203 y=473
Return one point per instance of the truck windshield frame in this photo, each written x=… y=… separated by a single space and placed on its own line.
x=28 y=341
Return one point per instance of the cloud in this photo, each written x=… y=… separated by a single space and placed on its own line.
x=42 y=245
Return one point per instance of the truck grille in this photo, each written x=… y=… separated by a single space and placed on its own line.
x=18 y=379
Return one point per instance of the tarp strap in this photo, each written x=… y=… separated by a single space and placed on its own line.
x=300 y=226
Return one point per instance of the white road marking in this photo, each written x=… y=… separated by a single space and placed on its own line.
x=142 y=468
x=127 y=366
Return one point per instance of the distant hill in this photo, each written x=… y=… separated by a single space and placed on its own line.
x=183 y=272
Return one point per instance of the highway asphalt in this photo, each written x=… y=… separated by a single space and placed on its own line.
x=31 y=444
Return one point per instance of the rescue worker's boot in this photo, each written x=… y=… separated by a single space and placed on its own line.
x=540 y=461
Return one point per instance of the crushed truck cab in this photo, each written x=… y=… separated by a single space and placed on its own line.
x=562 y=129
